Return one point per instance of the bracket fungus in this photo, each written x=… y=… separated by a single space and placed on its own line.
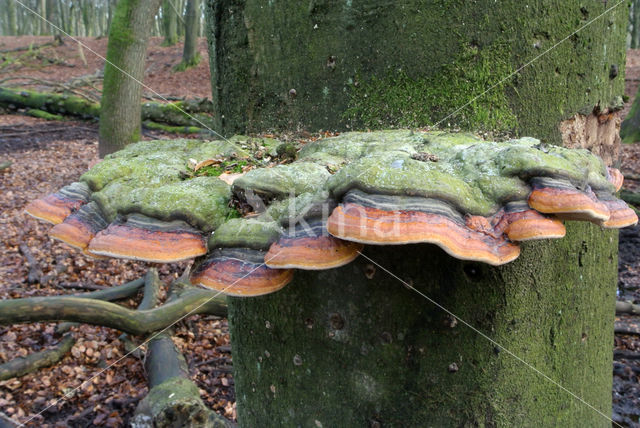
x=475 y=199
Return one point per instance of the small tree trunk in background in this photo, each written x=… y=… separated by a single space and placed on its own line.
x=128 y=36
x=169 y=23
x=12 y=17
x=42 y=24
x=87 y=7
x=335 y=348
x=52 y=16
x=634 y=25
x=190 y=56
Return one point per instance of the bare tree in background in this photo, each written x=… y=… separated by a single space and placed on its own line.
x=190 y=55
x=128 y=37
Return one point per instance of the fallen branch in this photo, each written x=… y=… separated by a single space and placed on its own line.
x=23 y=365
x=34 y=112
x=172 y=129
x=173 y=399
x=627 y=308
x=114 y=293
x=7 y=422
x=80 y=286
x=90 y=311
x=177 y=114
x=31 y=47
x=626 y=355
x=149 y=301
x=46 y=131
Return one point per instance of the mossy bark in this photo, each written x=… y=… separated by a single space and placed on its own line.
x=123 y=74
x=344 y=350
x=381 y=63
x=337 y=349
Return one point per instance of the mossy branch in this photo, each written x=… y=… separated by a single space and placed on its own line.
x=190 y=116
x=90 y=311
x=23 y=365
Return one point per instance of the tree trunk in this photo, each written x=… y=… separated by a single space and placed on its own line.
x=128 y=36
x=169 y=23
x=190 y=56
x=42 y=24
x=634 y=25
x=337 y=349
x=630 y=130
x=12 y=17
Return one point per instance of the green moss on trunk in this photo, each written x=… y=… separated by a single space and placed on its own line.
x=336 y=349
x=411 y=63
x=124 y=70
x=372 y=350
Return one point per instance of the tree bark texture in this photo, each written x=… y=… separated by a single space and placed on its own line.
x=128 y=36
x=382 y=63
x=334 y=348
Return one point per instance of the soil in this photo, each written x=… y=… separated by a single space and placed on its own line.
x=47 y=155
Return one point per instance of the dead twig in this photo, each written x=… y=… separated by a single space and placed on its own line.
x=35 y=273
x=45 y=130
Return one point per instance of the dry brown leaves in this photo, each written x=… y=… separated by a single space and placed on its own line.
x=45 y=157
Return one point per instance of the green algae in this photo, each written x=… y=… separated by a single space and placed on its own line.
x=288 y=211
x=395 y=174
x=281 y=180
x=202 y=202
x=475 y=176
x=255 y=233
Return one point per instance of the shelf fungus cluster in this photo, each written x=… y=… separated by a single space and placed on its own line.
x=475 y=199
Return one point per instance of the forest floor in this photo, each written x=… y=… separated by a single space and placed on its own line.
x=45 y=155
